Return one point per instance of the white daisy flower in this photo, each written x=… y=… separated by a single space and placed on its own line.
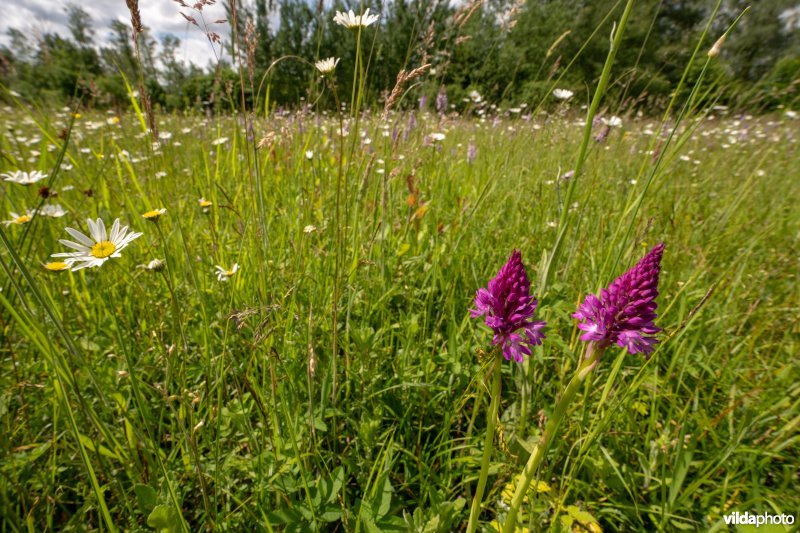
x=309 y=155
x=24 y=178
x=224 y=274
x=20 y=219
x=154 y=214
x=327 y=66
x=613 y=122
x=351 y=20
x=154 y=265
x=52 y=210
x=563 y=94
x=94 y=251
x=221 y=140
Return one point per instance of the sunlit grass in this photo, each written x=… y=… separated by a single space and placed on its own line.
x=182 y=391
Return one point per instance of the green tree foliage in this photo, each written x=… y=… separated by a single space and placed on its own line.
x=510 y=51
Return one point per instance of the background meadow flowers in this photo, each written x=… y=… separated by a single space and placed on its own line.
x=329 y=379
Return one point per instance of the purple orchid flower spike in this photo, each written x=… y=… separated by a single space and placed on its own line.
x=508 y=307
x=625 y=311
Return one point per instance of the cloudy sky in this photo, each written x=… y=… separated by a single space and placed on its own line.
x=162 y=17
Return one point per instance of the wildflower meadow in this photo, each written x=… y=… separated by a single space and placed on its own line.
x=345 y=313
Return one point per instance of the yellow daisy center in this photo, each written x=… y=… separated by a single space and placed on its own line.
x=22 y=219
x=103 y=249
x=55 y=266
x=205 y=203
x=155 y=213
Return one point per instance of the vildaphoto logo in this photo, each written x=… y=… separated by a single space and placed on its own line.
x=747 y=518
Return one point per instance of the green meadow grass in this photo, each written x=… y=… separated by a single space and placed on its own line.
x=172 y=401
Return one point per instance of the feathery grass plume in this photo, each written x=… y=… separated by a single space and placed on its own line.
x=251 y=43
x=136 y=17
x=508 y=307
x=403 y=78
x=462 y=16
x=138 y=28
x=624 y=312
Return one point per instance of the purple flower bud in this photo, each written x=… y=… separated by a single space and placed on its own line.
x=441 y=100
x=601 y=136
x=423 y=102
x=624 y=312
x=472 y=151
x=508 y=307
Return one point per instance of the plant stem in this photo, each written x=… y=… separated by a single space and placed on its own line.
x=605 y=76
x=488 y=443
x=587 y=365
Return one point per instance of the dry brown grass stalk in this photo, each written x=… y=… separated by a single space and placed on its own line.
x=138 y=28
x=403 y=78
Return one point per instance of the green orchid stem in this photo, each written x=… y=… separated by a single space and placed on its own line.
x=587 y=365
x=488 y=443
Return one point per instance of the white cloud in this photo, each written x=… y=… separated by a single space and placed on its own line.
x=161 y=17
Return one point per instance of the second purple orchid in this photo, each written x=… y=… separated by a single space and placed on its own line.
x=625 y=311
x=509 y=307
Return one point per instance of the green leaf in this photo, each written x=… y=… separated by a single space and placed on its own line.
x=338 y=482
x=164 y=519
x=147 y=497
x=383 y=499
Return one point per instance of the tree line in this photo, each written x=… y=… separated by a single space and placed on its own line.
x=508 y=51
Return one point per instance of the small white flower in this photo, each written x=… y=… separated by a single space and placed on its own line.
x=155 y=265
x=24 y=178
x=563 y=94
x=475 y=96
x=310 y=229
x=94 y=251
x=52 y=210
x=225 y=274
x=221 y=140
x=327 y=66
x=20 y=219
x=309 y=155
x=439 y=137
x=351 y=20
x=613 y=122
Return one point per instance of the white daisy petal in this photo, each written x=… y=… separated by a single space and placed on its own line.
x=115 y=231
x=75 y=245
x=80 y=237
x=102 y=227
